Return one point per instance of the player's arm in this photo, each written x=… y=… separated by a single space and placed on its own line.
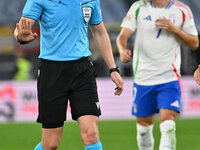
x=102 y=41
x=125 y=54
x=189 y=40
x=197 y=75
x=23 y=31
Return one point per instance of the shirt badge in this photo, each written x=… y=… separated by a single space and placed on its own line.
x=128 y=17
x=172 y=18
x=87 y=12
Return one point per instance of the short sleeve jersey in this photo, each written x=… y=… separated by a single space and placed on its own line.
x=157 y=52
x=64 y=26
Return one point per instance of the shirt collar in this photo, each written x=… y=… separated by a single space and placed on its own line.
x=167 y=7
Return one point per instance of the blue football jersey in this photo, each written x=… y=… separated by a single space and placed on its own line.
x=64 y=26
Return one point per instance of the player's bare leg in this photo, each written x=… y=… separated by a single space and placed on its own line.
x=51 y=138
x=89 y=132
x=167 y=128
x=145 y=138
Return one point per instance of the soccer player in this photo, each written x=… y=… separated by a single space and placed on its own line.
x=65 y=71
x=162 y=25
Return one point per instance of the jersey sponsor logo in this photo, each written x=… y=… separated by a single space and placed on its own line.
x=148 y=18
x=175 y=104
x=87 y=11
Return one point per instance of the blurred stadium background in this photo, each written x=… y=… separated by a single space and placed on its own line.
x=18 y=96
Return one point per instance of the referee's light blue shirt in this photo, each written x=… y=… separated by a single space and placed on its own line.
x=63 y=27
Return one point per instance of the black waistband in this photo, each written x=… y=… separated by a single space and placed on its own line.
x=71 y=61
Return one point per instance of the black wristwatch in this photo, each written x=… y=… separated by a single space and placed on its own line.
x=116 y=69
x=21 y=42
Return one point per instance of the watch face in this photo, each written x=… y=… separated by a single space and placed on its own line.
x=116 y=69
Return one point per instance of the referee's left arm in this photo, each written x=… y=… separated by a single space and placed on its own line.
x=102 y=41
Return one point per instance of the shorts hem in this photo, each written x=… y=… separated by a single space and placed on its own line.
x=75 y=117
x=170 y=109
x=143 y=116
x=51 y=126
x=156 y=83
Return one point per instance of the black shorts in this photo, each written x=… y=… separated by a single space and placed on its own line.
x=60 y=81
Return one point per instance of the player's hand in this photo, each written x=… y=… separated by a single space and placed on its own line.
x=125 y=55
x=119 y=83
x=197 y=75
x=165 y=24
x=24 y=31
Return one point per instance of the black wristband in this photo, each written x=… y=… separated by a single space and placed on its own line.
x=21 y=42
x=116 y=69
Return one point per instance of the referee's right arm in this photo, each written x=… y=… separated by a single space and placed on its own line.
x=23 y=31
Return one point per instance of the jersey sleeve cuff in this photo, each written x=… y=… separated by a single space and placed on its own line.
x=192 y=32
x=30 y=16
x=124 y=26
x=96 y=22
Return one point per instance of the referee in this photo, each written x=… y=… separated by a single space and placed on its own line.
x=65 y=71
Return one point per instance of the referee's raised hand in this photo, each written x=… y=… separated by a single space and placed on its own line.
x=25 y=33
x=119 y=83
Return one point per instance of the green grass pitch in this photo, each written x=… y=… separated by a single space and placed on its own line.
x=115 y=135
